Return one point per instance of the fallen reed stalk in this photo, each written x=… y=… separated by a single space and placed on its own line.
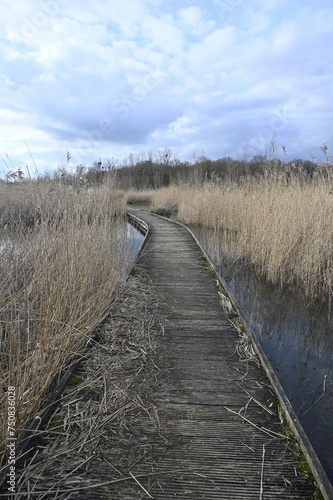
x=262 y=473
x=269 y=432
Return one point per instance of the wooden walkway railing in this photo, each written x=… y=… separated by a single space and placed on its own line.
x=218 y=433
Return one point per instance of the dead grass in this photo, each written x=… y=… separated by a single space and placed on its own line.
x=139 y=197
x=279 y=225
x=62 y=262
x=88 y=441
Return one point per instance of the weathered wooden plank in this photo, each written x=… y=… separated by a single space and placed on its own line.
x=201 y=375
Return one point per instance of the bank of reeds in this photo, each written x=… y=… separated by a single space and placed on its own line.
x=281 y=225
x=96 y=427
x=62 y=260
x=135 y=197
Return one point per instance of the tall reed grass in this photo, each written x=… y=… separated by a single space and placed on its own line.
x=62 y=262
x=281 y=225
x=135 y=197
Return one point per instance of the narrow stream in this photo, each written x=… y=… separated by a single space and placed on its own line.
x=296 y=337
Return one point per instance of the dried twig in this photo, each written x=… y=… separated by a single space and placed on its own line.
x=262 y=473
x=139 y=484
x=256 y=401
x=270 y=433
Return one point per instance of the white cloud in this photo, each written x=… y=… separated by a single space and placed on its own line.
x=122 y=75
x=162 y=34
x=193 y=20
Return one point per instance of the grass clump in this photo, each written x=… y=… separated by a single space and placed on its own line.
x=62 y=262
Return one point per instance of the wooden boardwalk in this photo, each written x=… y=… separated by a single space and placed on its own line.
x=200 y=447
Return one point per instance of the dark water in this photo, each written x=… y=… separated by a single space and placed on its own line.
x=134 y=240
x=297 y=338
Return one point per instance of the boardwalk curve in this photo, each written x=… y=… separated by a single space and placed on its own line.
x=217 y=433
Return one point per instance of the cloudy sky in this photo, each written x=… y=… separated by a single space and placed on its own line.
x=107 y=78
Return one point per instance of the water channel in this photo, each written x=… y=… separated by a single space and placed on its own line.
x=296 y=336
x=134 y=241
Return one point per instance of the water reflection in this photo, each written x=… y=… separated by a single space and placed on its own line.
x=297 y=338
x=134 y=240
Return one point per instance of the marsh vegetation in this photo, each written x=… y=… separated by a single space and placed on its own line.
x=280 y=224
x=63 y=260
x=270 y=238
x=62 y=263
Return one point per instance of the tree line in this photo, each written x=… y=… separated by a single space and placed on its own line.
x=159 y=169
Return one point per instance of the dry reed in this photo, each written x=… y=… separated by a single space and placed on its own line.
x=62 y=260
x=93 y=436
x=278 y=224
x=139 y=197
